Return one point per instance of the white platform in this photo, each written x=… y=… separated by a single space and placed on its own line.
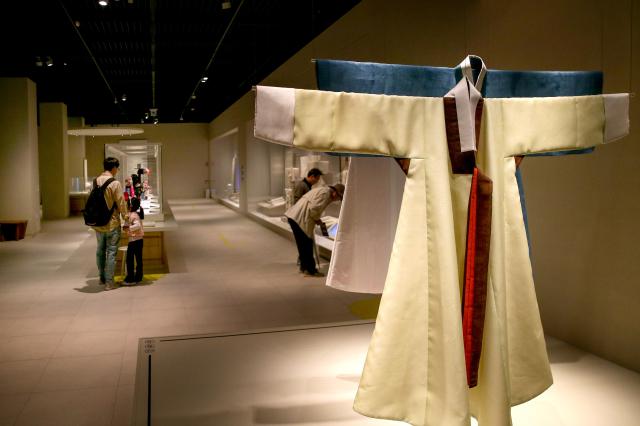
x=309 y=376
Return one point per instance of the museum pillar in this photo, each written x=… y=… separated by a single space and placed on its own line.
x=19 y=183
x=53 y=150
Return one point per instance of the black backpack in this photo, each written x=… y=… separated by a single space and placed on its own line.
x=96 y=212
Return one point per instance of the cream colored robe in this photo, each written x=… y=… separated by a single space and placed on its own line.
x=415 y=369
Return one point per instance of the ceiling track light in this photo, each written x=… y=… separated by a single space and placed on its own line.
x=204 y=79
x=49 y=62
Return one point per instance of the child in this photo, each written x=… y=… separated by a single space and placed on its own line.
x=135 y=230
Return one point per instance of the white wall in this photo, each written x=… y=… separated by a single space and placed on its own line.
x=583 y=209
x=19 y=179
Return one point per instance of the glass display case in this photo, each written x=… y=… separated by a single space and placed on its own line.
x=225 y=172
x=273 y=171
x=140 y=173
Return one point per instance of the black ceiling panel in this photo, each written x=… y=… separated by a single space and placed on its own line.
x=154 y=52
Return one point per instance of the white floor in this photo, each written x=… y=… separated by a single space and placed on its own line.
x=68 y=350
x=309 y=376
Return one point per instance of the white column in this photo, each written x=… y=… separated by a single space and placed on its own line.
x=19 y=183
x=53 y=144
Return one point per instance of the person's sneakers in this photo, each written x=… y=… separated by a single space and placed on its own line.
x=313 y=274
x=110 y=286
x=128 y=283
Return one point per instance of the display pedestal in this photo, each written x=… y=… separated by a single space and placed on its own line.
x=154 y=253
x=309 y=376
x=12 y=230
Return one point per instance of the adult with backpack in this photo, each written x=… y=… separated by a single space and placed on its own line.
x=102 y=212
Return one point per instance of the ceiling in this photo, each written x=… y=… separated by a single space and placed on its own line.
x=155 y=52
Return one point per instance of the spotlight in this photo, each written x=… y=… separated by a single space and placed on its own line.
x=193 y=108
x=77 y=24
x=39 y=62
x=193 y=96
x=124 y=97
x=103 y=3
x=153 y=112
x=155 y=120
x=49 y=62
x=115 y=100
x=181 y=118
x=146 y=115
x=204 y=79
x=226 y=5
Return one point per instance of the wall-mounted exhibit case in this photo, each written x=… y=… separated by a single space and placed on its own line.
x=141 y=169
x=272 y=174
x=79 y=188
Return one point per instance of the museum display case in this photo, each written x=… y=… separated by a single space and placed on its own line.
x=225 y=170
x=141 y=171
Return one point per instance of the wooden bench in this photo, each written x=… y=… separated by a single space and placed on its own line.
x=12 y=230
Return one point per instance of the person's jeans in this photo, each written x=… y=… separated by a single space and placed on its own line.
x=106 y=251
x=305 y=248
x=134 y=250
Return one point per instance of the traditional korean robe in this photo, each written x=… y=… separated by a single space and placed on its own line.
x=415 y=368
x=365 y=236
x=362 y=230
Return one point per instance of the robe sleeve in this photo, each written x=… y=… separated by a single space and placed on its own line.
x=534 y=125
x=397 y=126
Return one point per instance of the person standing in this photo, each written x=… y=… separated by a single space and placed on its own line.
x=303 y=217
x=135 y=230
x=108 y=236
x=304 y=186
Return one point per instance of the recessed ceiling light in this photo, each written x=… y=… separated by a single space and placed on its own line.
x=103 y=3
